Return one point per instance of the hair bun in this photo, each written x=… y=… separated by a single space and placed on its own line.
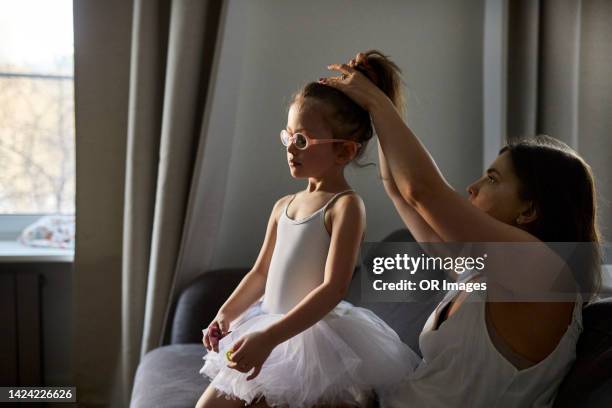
x=367 y=70
x=361 y=64
x=383 y=72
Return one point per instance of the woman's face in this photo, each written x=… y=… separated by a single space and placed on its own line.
x=315 y=160
x=497 y=192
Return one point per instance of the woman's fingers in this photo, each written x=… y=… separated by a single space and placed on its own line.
x=361 y=58
x=353 y=83
x=332 y=81
x=344 y=68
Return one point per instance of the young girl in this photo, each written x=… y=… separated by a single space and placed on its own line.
x=300 y=345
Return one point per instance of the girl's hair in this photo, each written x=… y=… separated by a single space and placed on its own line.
x=346 y=118
x=562 y=187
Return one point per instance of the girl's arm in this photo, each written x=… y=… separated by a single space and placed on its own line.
x=253 y=284
x=421 y=231
x=250 y=288
x=348 y=226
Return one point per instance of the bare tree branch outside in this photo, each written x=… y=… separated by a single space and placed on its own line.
x=37 y=146
x=36 y=141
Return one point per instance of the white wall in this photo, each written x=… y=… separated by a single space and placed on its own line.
x=438 y=44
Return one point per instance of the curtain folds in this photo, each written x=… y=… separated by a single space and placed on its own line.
x=559 y=69
x=142 y=73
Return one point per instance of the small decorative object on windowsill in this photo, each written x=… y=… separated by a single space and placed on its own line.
x=50 y=231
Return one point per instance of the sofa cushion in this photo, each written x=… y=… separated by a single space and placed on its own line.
x=198 y=304
x=169 y=377
x=589 y=382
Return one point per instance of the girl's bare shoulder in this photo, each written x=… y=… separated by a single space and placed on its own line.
x=347 y=201
x=350 y=204
x=280 y=205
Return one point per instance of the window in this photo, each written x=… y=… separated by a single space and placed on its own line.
x=36 y=108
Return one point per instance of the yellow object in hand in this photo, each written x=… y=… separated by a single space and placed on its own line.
x=228 y=354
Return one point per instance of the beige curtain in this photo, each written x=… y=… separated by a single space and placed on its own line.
x=559 y=69
x=142 y=75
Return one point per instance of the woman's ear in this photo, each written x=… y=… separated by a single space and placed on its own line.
x=528 y=215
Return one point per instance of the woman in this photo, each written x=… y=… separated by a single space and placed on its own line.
x=537 y=190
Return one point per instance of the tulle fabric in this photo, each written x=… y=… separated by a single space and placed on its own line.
x=351 y=351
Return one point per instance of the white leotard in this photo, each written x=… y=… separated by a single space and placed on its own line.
x=298 y=262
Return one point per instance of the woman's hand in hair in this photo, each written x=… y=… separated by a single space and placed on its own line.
x=355 y=85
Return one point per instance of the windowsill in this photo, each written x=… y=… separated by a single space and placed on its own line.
x=14 y=251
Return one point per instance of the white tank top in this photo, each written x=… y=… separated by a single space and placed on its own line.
x=461 y=367
x=298 y=261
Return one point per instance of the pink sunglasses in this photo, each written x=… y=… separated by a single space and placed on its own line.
x=302 y=142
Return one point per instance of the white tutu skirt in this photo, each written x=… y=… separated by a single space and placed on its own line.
x=351 y=351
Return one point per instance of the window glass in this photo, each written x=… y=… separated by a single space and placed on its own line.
x=36 y=107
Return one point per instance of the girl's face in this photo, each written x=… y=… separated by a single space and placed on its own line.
x=497 y=192
x=317 y=159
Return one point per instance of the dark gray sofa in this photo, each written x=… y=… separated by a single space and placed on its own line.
x=168 y=376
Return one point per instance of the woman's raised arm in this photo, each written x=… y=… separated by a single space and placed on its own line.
x=450 y=216
x=416 y=175
x=421 y=231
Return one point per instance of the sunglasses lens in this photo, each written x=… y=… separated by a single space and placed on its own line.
x=300 y=141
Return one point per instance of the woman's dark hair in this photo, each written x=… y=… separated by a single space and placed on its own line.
x=562 y=188
x=346 y=118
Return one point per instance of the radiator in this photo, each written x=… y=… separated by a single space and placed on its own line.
x=20 y=329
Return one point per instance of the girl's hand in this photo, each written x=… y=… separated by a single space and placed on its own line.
x=216 y=330
x=251 y=351
x=354 y=84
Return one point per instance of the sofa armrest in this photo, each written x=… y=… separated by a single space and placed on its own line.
x=199 y=302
